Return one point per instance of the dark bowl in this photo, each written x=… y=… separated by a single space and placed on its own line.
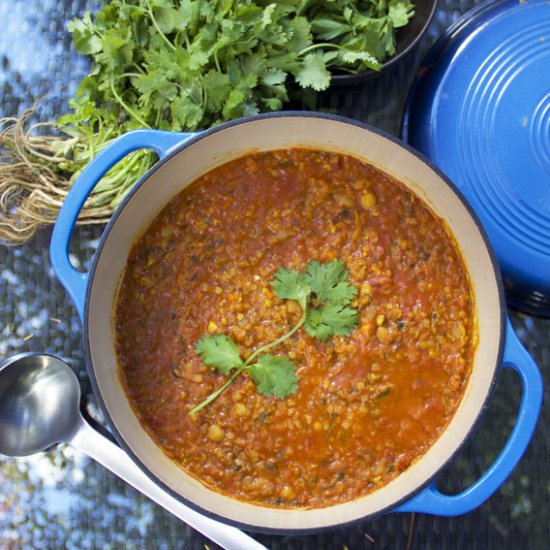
x=406 y=39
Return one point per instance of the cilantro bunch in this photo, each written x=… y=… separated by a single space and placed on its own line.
x=189 y=64
x=324 y=294
x=184 y=65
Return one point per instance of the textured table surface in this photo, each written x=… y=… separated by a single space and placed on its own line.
x=61 y=499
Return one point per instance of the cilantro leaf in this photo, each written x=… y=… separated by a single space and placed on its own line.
x=365 y=57
x=331 y=319
x=233 y=104
x=274 y=376
x=273 y=77
x=328 y=28
x=216 y=87
x=186 y=112
x=313 y=73
x=268 y=16
x=117 y=48
x=329 y=281
x=273 y=103
x=219 y=351
x=400 y=12
x=85 y=40
x=332 y=291
x=299 y=34
x=169 y=19
x=341 y=293
x=291 y=285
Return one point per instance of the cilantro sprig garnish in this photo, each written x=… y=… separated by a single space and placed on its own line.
x=324 y=294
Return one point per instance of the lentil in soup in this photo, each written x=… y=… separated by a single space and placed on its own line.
x=368 y=404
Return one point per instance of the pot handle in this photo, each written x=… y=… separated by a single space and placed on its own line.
x=431 y=501
x=74 y=281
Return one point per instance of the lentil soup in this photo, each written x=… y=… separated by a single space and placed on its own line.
x=369 y=404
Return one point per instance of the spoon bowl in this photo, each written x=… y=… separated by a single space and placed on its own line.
x=39 y=403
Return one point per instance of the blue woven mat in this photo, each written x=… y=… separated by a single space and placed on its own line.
x=61 y=499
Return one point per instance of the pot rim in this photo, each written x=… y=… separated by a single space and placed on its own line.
x=105 y=410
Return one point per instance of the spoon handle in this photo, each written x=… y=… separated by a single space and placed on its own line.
x=117 y=461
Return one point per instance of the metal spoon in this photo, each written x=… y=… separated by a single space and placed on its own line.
x=40 y=406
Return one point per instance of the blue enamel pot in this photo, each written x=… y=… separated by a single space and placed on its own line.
x=185 y=157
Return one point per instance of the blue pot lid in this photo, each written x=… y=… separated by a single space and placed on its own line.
x=479 y=109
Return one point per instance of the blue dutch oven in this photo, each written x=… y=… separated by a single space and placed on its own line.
x=183 y=158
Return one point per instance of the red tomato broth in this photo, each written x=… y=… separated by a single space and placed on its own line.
x=367 y=405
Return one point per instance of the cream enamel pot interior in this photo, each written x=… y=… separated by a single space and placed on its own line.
x=183 y=159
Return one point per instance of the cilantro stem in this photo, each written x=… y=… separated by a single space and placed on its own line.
x=216 y=62
x=278 y=341
x=129 y=75
x=132 y=113
x=138 y=68
x=112 y=187
x=320 y=45
x=157 y=28
x=217 y=392
x=247 y=363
